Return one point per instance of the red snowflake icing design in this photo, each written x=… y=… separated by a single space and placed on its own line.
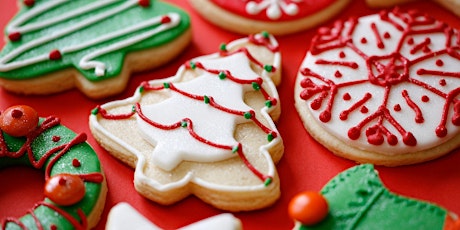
x=381 y=66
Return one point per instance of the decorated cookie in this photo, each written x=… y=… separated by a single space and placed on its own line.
x=357 y=199
x=383 y=89
x=208 y=131
x=452 y=5
x=75 y=187
x=124 y=216
x=278 y=17
x=55 y=45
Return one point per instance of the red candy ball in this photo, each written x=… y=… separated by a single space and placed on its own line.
x=18 y=120
x=65 y=189
x=309 y=208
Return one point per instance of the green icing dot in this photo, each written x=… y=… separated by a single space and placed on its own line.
x=192 y=65
x=222 y=75
x=268 y=181
x=270 y=137
x=141 y=89
x=95 y=111
x=268 y=68
x=235 y=149
x=183 y=124
x=166 y=85
x=265 y=34
x=206 y=99
x=268 y=103
x=223 y=47
x=255 y=86
x=247 y=115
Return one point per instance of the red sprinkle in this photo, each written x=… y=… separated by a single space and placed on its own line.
x=55 y=55
x=439 y=62
x=165 y=20
x=15 y=36
x=425 y=98
x=76 y=163
x=56 y=138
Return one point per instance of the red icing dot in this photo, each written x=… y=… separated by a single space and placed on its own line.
x=55 y=55
x=439 y=62
x=76 y=163
x=353 y=133
x=409 y=139
x=165 y=19
x=15 y=36
x=441 y=131
x=56 y=138
x=410 y=41
x=338 y=74
x=364 y=109
x=442 y=82
x=29 y=3
x=363 y=40
x=325 y=116
x=425 y=98
x=342 y=54
x=392 y=140
x=346 y=97
x=397 y=108
x=144 y=3
x=386 y=35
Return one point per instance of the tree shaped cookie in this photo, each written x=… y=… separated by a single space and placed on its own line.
x=55 y=45
x=383 y=89
x=206 y=131
x=357 y=199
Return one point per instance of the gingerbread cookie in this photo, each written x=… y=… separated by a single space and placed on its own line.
x=206 y=131
x=452 y=5
x=123 y=216
x=383 y=89
x=278 y=17
x=357 y=199
x=94 y=46
x=75 y=187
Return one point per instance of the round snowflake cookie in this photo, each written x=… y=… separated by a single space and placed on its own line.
x=383 y=89
x=275 y=16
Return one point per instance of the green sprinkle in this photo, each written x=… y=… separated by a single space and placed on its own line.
x=268 y=181
x=206 y=99
x=192 y=65
x=270 y=137
x=265 y=34
x=95 y=111
x=268 y=68
x=247 y=115
x=222 y=75
x=235 y=149
x=141 y=89
x=183 y=124
x=133 y=109
x=268 y=103
x=255 y=86
x=223 y=47
x=166 y=85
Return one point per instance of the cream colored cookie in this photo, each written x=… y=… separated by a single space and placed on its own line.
x=383 y=89
x=278 y=17
x=207 y=131
x=94 y=46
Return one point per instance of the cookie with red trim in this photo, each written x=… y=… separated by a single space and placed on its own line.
x=357 y=199
x=208 y=131
x=75 y=188
x=278 y=17
x=383 y=89
x=53 y=46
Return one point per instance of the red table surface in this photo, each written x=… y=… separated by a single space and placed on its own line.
x=306 y=165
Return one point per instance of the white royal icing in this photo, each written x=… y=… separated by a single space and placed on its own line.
x=274 y=8
x=365 y=41
x=86 y=62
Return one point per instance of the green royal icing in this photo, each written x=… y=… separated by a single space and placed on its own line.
x=113 y=60
x=358 y=200
x=89 y=163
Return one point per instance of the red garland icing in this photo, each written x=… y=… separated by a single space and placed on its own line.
x=187 y=123
x=57 y=151
x=385 y=71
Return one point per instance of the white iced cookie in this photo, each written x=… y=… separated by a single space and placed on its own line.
x=383 y=89
x=208 y=131
x=123 y=216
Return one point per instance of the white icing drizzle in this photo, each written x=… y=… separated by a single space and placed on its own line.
x=273 y=8
x=189 y=177
x=86 y=61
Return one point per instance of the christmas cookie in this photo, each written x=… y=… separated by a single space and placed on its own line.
x=208 y=131
x=383 y=89
x=357 y=199
x=75 y=187
x=94 y=46
x=278 y=17
x=452 y=5
x=124 y=216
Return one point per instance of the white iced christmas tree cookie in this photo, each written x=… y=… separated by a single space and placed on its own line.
x=383 y=89
x=123 y=216
x=208 y=131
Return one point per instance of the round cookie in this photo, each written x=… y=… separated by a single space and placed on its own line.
x=75 y=188
x=208 y=130
x=278 y=17
x=53 y=46
x=357 y=199
x=383 y=89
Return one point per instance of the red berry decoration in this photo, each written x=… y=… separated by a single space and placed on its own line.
x=19 y=120
x=65 y=189
x=14 y=36
x=309 y=208
x=55 y=55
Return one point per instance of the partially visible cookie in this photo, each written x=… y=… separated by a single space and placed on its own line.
x=278 y=17
x=94 y=46
x=208 y=131
x=383 y=89
x=452 y=5
x=357 y=199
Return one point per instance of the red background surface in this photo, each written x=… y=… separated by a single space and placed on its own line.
x=306 y=165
